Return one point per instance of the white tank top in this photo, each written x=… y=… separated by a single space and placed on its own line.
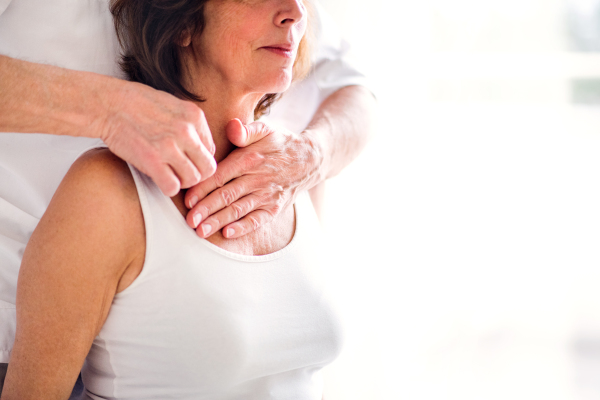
x=201 y=322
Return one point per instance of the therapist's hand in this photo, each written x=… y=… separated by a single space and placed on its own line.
x=166 y=138
x=161 y=135
x=255 y=182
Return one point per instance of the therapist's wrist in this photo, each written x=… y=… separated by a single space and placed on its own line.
x=316 y=145
x=109 y=94
x=342 y=127
x=83 y=104
x=74 y=103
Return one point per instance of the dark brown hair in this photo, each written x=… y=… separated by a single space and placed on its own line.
x=150 y=31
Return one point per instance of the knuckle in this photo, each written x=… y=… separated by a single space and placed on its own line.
x=277 y=201
x=276 y=191
x=219 y=179
x=170 y=187
x=275 y=209
x=154 y=160
x=167 y=144
x=210 y=168
x=192 y=141
x=227 y=196
x=216 y=221
x=201 y=210
x=238 y=210
x=254 y=222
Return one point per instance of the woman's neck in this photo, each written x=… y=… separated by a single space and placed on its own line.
x=224 y=103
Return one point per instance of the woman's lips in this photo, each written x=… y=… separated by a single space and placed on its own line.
x=280 y=50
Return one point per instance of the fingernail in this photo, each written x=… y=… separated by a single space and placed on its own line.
x=205 y=229
x=193 y=202
x=196 y=220
x=229 y=232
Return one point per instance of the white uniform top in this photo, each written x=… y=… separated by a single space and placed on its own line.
x=79 y=34
x=200 y=322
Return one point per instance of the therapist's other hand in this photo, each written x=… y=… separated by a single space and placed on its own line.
x=166 y=138
x=254 y=182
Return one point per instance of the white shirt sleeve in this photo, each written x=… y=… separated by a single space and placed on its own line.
x=332 y=66
x=332 y=70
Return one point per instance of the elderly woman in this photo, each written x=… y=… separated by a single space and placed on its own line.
x=128 y=293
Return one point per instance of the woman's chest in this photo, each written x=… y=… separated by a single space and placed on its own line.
x=218 y=326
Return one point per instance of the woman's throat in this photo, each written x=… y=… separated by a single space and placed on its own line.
x=218 y=118
x=223 y=146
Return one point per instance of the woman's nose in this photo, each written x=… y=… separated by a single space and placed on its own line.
x=290 y=12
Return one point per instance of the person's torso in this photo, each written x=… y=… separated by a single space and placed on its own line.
x=201 y=322
x=73 y=34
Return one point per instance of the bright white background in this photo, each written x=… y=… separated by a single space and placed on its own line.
x=466 y=238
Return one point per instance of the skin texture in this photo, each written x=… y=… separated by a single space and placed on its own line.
x=166 y=138
x=71 y=273
x=262 y=177
x=64 y=296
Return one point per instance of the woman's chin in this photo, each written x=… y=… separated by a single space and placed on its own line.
x=276 y=84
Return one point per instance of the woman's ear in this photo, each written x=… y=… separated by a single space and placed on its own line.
x=185 y=38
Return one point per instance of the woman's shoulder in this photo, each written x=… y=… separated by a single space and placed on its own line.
x=101 y=187
x=101 y=172
x=97 y=202
x=103 y=183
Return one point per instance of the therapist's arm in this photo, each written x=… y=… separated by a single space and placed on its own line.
x=272 y=165
x=164 y=137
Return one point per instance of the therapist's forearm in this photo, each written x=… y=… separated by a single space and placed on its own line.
x=341 y=128
x=44 y=98
x=164 y=137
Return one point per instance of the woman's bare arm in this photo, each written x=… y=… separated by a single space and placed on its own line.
x=88 y=246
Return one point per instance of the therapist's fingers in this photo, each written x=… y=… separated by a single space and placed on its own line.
x=230 y=168
x=203 y=132
x=198 y=149
x=221 y=198
x=185 y=171
x=234 y=212
x=164 y=137
x=163 y=176
x=249 y=223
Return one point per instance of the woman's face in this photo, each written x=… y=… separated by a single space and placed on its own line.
x=251 y=43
